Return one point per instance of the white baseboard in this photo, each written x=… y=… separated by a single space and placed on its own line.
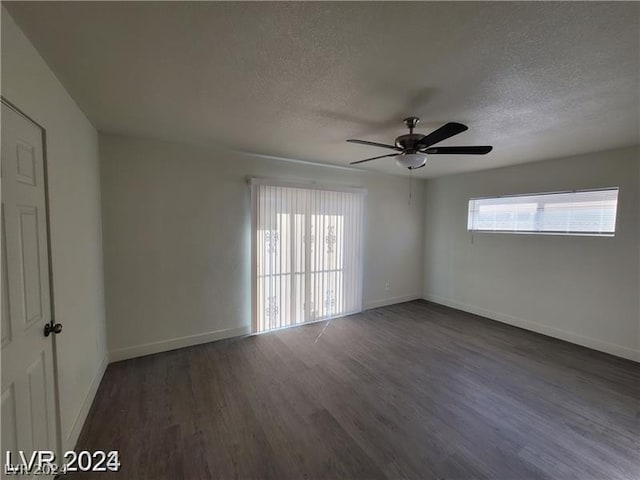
x=78 y=423
x=174 y=343
x=390 y=301
x=572 y=337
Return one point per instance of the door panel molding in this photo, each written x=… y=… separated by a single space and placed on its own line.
x=31 y=265
x=5 y=327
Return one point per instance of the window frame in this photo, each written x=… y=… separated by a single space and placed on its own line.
x=471 y=210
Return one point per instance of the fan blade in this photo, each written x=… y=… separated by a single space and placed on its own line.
x=446 y=131
x=479 y=150
x=374 y=158
x=374 y=144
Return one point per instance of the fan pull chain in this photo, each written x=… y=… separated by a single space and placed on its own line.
x=410 y=178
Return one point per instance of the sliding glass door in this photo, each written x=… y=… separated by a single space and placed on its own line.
x=307 y=254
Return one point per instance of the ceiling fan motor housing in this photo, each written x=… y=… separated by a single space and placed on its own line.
x=409 y=142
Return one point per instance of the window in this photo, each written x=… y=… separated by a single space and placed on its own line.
x=586 y=212
x=307 y=254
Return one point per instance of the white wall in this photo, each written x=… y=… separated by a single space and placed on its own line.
x=581 y=289
x=177 y=252
x=76 y=241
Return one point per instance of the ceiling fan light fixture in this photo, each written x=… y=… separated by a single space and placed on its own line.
x=410 y=150
x=411 y=160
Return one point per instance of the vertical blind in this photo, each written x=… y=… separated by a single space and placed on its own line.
x=587 y=212
x=307 y=254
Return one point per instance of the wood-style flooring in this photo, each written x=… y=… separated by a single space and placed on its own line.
x=414 y=390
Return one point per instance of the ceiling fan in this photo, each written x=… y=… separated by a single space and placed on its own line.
x=412 y=148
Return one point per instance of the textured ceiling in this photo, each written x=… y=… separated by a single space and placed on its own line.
x=536 y=80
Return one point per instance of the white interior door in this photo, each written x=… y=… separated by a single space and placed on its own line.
x=28 y=408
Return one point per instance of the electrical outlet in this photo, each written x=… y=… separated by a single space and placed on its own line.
x=387 y=287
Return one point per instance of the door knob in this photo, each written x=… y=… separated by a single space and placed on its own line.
x=50 y=328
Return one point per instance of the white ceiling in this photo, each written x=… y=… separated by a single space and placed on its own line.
x=536 y=80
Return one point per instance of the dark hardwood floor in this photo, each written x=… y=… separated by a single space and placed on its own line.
x=414 y=390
